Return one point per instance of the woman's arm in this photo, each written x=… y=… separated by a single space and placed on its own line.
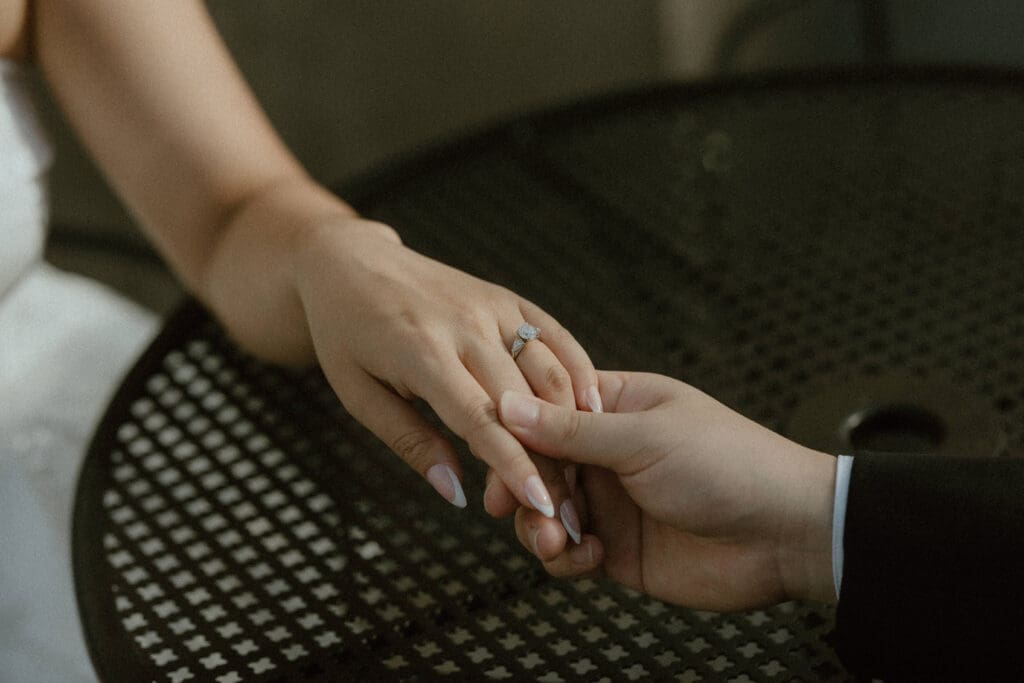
x=289 y=269
x=157 y=100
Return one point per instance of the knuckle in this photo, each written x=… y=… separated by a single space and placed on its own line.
x=476 y=322
x=407 y=322
x=414 y=325
x=430 y=337
x=413 y=445
x=554 y=332
x=481 y=415
x=431 y=347
x=557 y=379
x=387 y=232
x=407 y=319
x=571 y=427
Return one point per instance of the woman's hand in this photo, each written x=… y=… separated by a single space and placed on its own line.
x=684 y=498
x=389 y=324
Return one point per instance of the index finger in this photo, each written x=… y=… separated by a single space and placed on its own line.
x=463 y=405
x=608 y=440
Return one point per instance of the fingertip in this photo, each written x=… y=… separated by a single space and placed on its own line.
x=537 y=494
x=446 y=482
x=543 y=537
x=548 y=539
x=577 y=560
x=593 y=399
x=498 y=500
x=534 y=546
x=587 y=554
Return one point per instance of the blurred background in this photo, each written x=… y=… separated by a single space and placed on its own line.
x=350 y=85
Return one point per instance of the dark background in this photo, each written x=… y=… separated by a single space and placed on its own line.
x=352 y=84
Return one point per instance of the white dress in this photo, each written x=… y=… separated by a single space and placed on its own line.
x=65 y=342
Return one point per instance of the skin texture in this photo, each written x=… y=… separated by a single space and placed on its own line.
x=14 y=20
x=294 y=274
x=682 y=498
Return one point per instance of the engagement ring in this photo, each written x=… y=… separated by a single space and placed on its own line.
x=525 y=333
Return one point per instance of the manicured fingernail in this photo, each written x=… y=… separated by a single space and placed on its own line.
x=487 y=490
x=582 y=554
x=570 y=520
x=519 y=409
x=533 y=541
x=539 y=497
x=444 y=481
x=594 y=400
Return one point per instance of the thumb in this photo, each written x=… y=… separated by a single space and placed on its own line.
x=602 y=439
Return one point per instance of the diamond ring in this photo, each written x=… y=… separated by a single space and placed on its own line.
x=525 y=333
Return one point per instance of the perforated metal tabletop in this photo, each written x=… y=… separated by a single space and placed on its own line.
x=813 y=251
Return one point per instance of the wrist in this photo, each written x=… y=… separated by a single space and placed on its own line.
x=804 y=547
x=339 y=247
x=250 y=276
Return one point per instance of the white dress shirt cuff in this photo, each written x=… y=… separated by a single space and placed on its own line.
x=844 y=463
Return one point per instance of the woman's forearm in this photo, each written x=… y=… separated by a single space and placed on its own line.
x=155 y=97
x=249 y=275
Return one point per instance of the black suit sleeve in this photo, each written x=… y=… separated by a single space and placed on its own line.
x=933 y=571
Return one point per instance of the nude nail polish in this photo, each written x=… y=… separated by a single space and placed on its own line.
x=445 y=482
x=593 y=397
x=570 y=520
x=539 y=497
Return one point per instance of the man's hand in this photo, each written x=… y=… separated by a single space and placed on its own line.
x=682 y=498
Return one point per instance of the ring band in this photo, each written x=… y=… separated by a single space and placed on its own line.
x=525 y=333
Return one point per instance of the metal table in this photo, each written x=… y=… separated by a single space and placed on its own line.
x=838 y=257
